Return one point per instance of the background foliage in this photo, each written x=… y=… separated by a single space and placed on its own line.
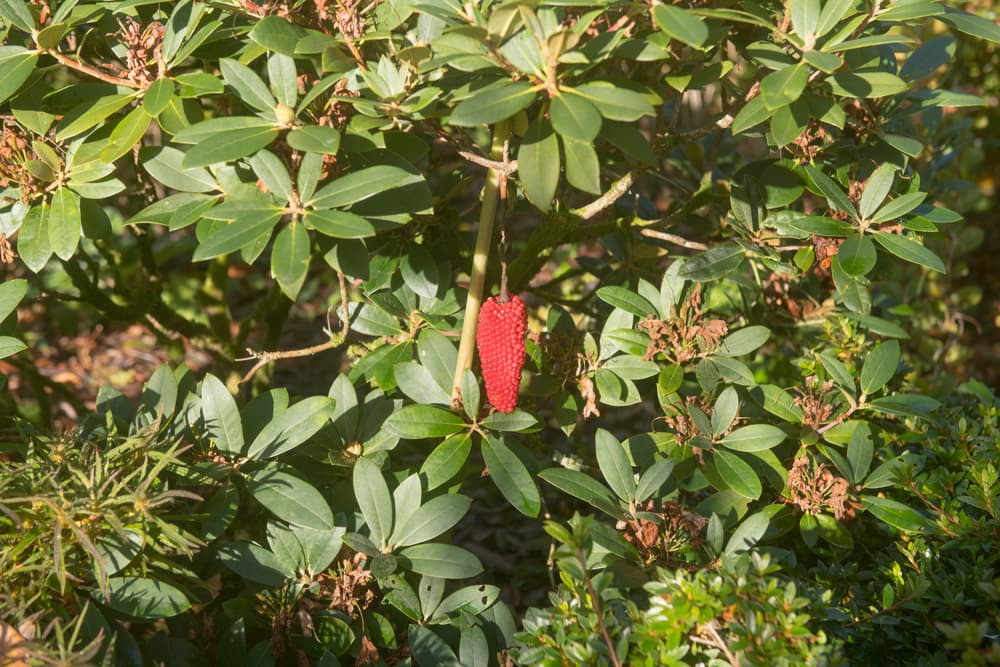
x=750 y=429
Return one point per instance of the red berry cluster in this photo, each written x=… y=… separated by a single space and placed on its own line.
x=500 y=340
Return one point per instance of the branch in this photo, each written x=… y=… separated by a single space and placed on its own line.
x=506 y=168
x=597 y=608
x=615 y=192
x=83 y=68
x=673 y=238
x=715 y=641
x=477 y=277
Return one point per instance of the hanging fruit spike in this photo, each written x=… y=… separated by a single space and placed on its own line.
x=500 y=340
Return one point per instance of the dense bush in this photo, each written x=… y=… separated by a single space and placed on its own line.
x=740 y=438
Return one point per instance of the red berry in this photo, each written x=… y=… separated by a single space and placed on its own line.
x=500 y=340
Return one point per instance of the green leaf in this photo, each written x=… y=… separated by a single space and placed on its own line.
x=338 y=224
x=374 y=500
x=511 y=476
x=292 y=428
x=653 y=479
x=254 y=563
x=859 y=452
x=749 y=533
x=16 y=65
x=714 y=263
x=574 y=117
x=724 y=413
x=629 y=140
x=140 y=597
x=250 y=88
x=751 y=115
x=33 y=241
x=836 y=369
x=744 y=341
x=834 y=532
x=429 y=650
x=789 y=122
x=805 y=16
x=899 y=206
x=126 y=134
x=583 y=486
x=833 y=11
x=895 y=513
x=235 y=234
x=631 y=367
x=614 y=465
x=866 y=85
x=681 y=24
x=360 y=185
x=826 y=62
x=415 y=422
x=81 y=118
x=538 y=164
x=754 y=438
x=164 y=163
x=876 y=189
x=12 y=291
x=492 y=105
x=517 y=421
x=222 y=417
x=442 y=560
x=778 y=402
x=314 y=139
x=228 y=145
x=438 y=354
x=276 y=34
x=290 y=258
x=583 y=169
x=290 y=498
x=16 y=13
x=64 y=223
x=857 y=255
x=157 y=96
x=909 y=250
x=446 y=460
x=273 y=174
x=880 y=365
x=784 y=86
x=834 y=194
x=430 y=520
x=419 y=270
x=10 y=346
x=905 y=405
x=613 y=102
x=970 y=24
x=417 y=383
x=627 y=300
x=737 y=474
x=789 y=223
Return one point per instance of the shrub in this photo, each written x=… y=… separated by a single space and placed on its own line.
x=727 y=224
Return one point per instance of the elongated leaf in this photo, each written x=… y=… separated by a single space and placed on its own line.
x=430 y=520
x=315 y=139
x=613 y=102
x=360 y=185
x=233 y=235
x=744 y=341
x=64 y=223
x=339 y=224
x=447 y=459
x=81 y=118
x=615 y=465
x=144 y=598
x=442 y=560
x=737 y=474
x=16 y=13
x=713 y=264
x=653 y=479
x=374 y=500
x=899 y=206
x=276 y=34
x=880 y=366
x=250 y=87
x=429 y=650
x=583 y=486
x=784 y=86
x=574 y=117
x=538 y=164
x=909 y=250
x=126 y=134
x=290 y=498
x=222 y=417
x=857 y=255
x=10 y=346
x=511 y=476
x=681 y=24
x=583 y=168
x=834 y=194
x=423 y=421
x=16 y=65
x=290 y=258
x=11 y=293
x=164 y=163
x=627 y=300
x=254 y=563
x=895 y=513
x=33 y=242
x=229 y=145
x=292 y=428
x=754 y=438
x=876 y=189
x=493 y=105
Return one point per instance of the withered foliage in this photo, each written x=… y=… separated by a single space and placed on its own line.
x=687 y=335
x=673 y=529
x=816 y=401
x=20 y=165
x=814 y=488
x=144 y=50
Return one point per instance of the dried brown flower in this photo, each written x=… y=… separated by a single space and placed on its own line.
x=685 y=336
x=814 y=488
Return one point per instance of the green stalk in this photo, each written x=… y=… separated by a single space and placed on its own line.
x=480 y=258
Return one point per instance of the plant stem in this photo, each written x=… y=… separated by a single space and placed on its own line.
x=484 y=242
x=595 y=602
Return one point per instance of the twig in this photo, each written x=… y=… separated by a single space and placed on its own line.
x=477 y=277
x=717 y=642
x=673 y=238
x=614 y=193
x=504 y=167
x=597 y=608
x=93 y=71
x=850 y=411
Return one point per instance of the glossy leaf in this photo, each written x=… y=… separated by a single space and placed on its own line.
x=290 y=498
x=511 y=476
